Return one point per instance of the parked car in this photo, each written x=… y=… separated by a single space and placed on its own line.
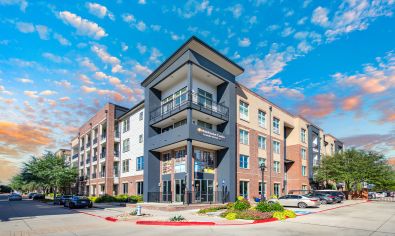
x=324 y=198
x=78 y=202
x=38 y=196
x=371 y=195
x=30 y=195
x=14 y=197
x=381 y=194
x=297 y=201
x=59 y=200
x=339 y=194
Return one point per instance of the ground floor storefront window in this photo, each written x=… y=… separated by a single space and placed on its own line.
x=204 y=161
x=204 y=190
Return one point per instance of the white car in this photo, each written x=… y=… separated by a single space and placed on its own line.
x=380 y=194
x=297 y=201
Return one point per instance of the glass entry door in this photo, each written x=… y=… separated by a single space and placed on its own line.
x=204 y=190
x=166 y=191
x=180 y=190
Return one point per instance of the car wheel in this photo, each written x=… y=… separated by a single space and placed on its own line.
x=324 y=202
x=302 y=205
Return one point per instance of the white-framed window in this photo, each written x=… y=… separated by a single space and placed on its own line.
x=180 y=96
x=276 y=147
x=262 y=119
x=276 y=188
x=243 y=189
x=126 y=125
x=276 y=167
x=140 y=188
x=303 y=135
x=244 y=161
x=141 y=115
x=126 y=145
x=140 y=163
x=261 y=142
x=243 y=136
x=243 y=109
x=276 y=125
x=205 y=98
x=140 y=138
x=303 y=153
x=125 y=166
x=260 y=189
x=125 y=187
x=304 y=170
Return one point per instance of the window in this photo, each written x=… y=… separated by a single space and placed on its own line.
x=262 y=119
x=141 y=116
x=243 y=109
x=205 y=98
x=276 y=167
x=276 y=147
x=276 y=189
x=276 y=125
x=180 y=123
x=125 y=187
x=167 y=104
x=140 y=187
x=126 y=125
x=204 y=161
x=243 y=136
x=140 y=138
x=304 y=170
x=303 y=135
x=204 y=124
x=261 y=142
x=261 y=161
x=244 y=189
x=140 y=163
x=166 y=163
x=304 y=187
x=180 y=96
x=125 y=166
x=260 y=189
x=303 y=153
x=126 y=145
x=179 y=161
x=244 y=161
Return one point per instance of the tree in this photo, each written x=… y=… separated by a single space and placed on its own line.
x=354 y=167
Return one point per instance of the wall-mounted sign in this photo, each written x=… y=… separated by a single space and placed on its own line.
x=210 y=134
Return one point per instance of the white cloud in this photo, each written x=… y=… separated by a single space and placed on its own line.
x=25 y=27
x=244 y=42
x=274 y=87
x=63 y=83
x=141 y=26
x=176 y=37
x=48 y=92
x=142 y=48
x=142 y=2
x=236 y=10
x=83 y=26
x=99 y=10
x=128 y=18
x=43 y=32
x=193 y=7
x=156 y=27
x=155 y=54
x=22 y=3
x=143 y=70
x=25 y=81
x=320 y=16
x=55 y=58
x=32 y=94
x=63 y=41
x=86 y=62
x=287 y=31
x=64 y=99
x=102 y=53
x=124 y=46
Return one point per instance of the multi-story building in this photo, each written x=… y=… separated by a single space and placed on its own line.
x=199 y=136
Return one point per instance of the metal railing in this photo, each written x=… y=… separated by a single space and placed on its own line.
x=189 y=99
x=190 y=197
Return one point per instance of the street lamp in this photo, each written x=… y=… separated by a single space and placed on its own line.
x=262 y=167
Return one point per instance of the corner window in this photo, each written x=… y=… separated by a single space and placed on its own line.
x=180 y=97
x=261 y=119
x=179 y=161
x=244 y=161
x=205 y=98
x=276 y=125
x=243 y=136
x=243 y=109
x=139 y=163
x=204 y=161
x=166 y=163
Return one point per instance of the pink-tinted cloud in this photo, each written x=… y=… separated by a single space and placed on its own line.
x=351 y=103
x=321 y=106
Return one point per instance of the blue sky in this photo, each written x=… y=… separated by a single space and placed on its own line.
x=331 y=61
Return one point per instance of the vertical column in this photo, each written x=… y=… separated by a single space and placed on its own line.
x=189 y=170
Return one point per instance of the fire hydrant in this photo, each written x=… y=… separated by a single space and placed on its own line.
x=138 y=209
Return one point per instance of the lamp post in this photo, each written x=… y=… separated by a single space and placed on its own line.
x=262 y=167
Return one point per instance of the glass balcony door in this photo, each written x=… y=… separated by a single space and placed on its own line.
x=180 y=190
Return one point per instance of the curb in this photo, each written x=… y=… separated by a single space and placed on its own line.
x=199 y=223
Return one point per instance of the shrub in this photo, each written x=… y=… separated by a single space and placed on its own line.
x=211 y=209
x=269 y=207
x=177 y=218
x=231 y=216
x=241 y=204
x=273 y=196
x=122 y=198
x=105 y=198
x=51 y=195
x=240 y=198
x=289 y=214
x=230 y=205
x=280 y=215
x=93 y=199
x=135 y=198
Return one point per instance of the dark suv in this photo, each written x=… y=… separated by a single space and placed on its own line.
x=78 y=202
x=324 y=198
x=59 y=200
x=338 y=194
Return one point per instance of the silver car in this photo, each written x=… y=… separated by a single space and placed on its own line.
x=297 y=201
x=14 y=197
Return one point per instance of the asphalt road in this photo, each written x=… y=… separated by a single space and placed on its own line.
x=33 y=218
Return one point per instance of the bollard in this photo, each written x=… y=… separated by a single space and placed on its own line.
x=138 y=209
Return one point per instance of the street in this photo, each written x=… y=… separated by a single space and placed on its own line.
x=29 y=217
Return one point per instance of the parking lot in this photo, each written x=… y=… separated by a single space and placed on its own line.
x=34 y=218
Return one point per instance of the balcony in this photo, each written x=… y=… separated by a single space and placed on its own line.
x=75 y=156
x=102 y=174
x=103 y=155
x=88 y=144
x=82 y=148
x=103 y=138
x=117 y=134
x=94 y=141
x=81 y=163
x=191 y=100
x=88 y=160
x=94 y=175
x=94 y=158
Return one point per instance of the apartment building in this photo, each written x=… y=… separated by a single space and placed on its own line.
x=96 y=149
x=131 y=126
x=198 y=136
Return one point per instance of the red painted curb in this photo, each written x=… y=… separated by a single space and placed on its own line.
x=171 y=223
x=111 y=219
x=264 y=220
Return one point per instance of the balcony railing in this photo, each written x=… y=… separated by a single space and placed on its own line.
x=75 y=156
x=188 y=99
x=103 y=155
